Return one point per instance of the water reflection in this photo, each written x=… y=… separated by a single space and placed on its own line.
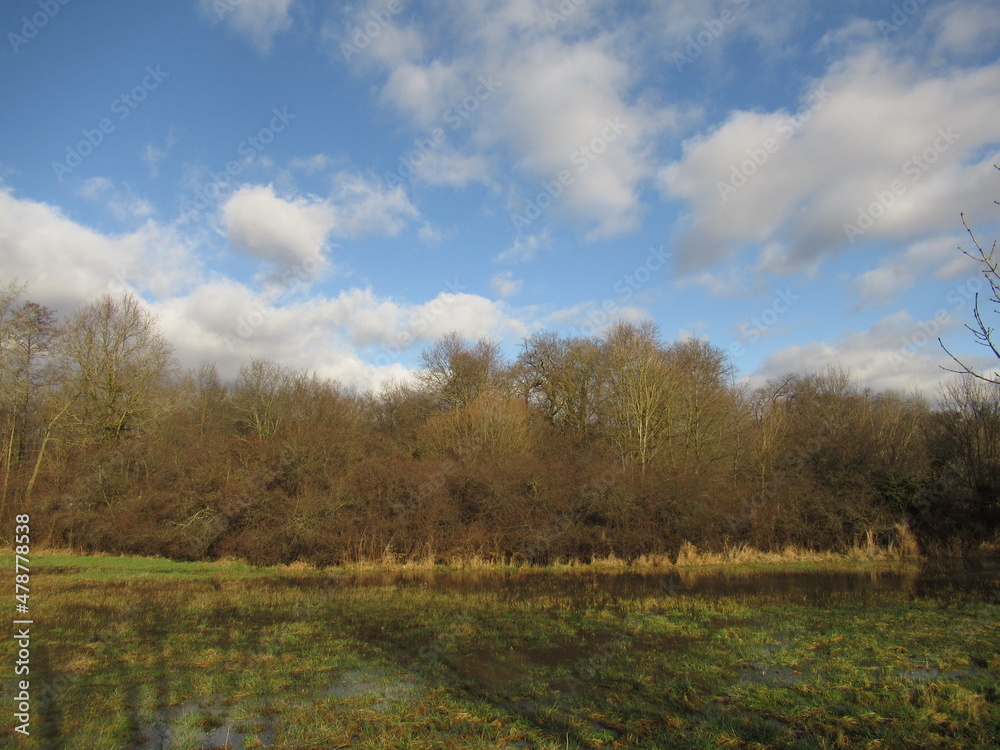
x=977 y=580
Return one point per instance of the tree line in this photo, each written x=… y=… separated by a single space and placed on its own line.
x=623 y=444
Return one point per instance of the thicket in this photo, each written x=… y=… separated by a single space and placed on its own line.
x=579 y=448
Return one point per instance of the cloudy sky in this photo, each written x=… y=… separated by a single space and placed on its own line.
x=333 y=185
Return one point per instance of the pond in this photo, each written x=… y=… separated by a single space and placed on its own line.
x=975 y=580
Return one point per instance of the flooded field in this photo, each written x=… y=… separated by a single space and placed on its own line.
x=157 y=655
x=973 y=579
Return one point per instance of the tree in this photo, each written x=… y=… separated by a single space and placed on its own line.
x=563 y=379
x=707 y=412
x=456 y=372
x=982 y=332
x=120 y=361
x=257 y=395
x=29 y=372
x=641 y=391
x=971 y=418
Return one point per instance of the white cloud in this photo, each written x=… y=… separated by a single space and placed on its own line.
x=505 y=285
x=258 y=21
x=878 y=119
x=312 y=164
x=151 y=157
x=420 y=90
x=470 y=315
x=899 y=272
x=963 y=28
x=449 y=167
x=348 y=39
x=898 y=352
x=430 y=234
x=275 y=230
x=703 y=30
x=364 y=207
x=525 y=247
x=553 y=90
x=593 y=318
x=122 y=204
x=734 y=280
x=67 y=265
x=355 y=336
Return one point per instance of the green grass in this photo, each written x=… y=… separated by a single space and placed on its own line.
x=124 y=648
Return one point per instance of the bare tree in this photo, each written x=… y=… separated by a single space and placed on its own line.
x=456 y=372
x=972 y=419
x=706 y=402
x=29 y=372
x=981 y=332
x=257 y=395
x=563 y=378
x=641 y=391
x=120 y=361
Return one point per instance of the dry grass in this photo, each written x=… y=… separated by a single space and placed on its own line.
x=905 y=546
x=906 y=543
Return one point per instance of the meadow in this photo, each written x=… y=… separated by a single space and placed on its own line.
x=150 y=653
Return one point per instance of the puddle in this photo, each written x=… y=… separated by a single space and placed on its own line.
x=382 y=686
x=173 y=728
x=761 y=673
x=933 y=673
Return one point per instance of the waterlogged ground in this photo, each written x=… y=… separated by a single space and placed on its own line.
x=130 y=653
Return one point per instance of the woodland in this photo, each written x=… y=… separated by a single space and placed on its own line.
x=624 y=445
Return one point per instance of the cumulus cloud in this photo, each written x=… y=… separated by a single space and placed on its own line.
x=898 y=352
x=551 y=97
x=700 y=32
x=897 y=273
x=786 y=184
x=962 y=29
x=275 y=230
x=68 y=264
x=363 y=207
x=355 y=335
x=258 y=21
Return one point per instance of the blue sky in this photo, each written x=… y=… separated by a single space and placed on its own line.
x=334 y=185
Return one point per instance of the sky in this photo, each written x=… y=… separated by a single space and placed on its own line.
x=333 y=186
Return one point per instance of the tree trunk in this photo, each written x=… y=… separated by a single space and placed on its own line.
x=41 y=450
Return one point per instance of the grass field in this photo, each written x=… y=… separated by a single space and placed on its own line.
x=141 y=653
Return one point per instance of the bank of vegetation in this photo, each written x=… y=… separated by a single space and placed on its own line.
x=622 y=446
